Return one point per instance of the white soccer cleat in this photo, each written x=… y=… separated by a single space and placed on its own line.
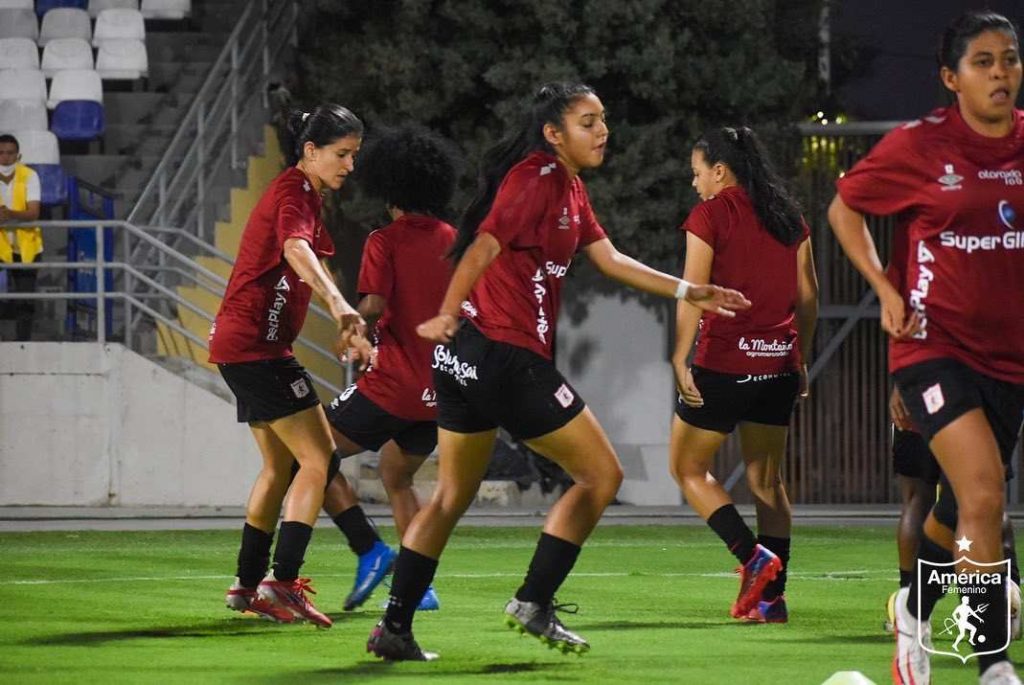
x=910 y=664
x=889 y=625
x=1013 y=590
x=1000 y=673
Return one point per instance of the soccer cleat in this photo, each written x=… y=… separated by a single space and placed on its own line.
x=396 y=646
x=290 y=595
x=373 y=567
x=762 y=568
x=430 y=602
x=1000 y=673
x=243 y=599
x=910 y=664
x=889 y=625
x=542 y=622
x=1014 y=591
x=770 y=611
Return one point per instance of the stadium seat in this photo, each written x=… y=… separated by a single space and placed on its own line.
x=166 y=9
x=97 y=6
x=44 y=6
x=37 y=147
x=22 y=84
x=122 y=59
x=26 y=114
x=119 y=24
x=75 y=84
x=64 y=22
x=16 y=23
x=16 y=4
x=78 y=120
x=18 y=53
x=53 y=184
x=66 y=53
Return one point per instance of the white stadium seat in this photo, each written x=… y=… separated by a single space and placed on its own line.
x=122 y=59
x=166 y=9
x=17 y=4
x=25 y=114
x=16 y=23
x=64 y=22
x=22 y=84
x=37 y=147
x=18 y=53
x=66 y=53
x=119 y=24
x=97 y=6
x=75 y=84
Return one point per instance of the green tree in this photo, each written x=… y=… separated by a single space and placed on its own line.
x=665 y=70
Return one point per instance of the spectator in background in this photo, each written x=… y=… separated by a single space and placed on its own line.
x=19 y=202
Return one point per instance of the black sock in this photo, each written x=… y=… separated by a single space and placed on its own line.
x=780 y=547
x=552 y=561
x=357 y=529
x=931 y=593
x=413 y=574
x=736 y=534
x=994 y=627
x=905 y=578
x=291 y=549
x=254 y=556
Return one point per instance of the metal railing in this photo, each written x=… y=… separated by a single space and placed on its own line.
x=135 y=293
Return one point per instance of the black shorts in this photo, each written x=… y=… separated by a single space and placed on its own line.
x=912 y=458
x=732 y=398
x=270 y=389
x=939 y=391
x=356 y=417
x=482 y=384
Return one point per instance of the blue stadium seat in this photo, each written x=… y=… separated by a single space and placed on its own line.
x=78 y=120
x=53 y=183
x=44 y=6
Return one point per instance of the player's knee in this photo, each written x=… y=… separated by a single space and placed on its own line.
x=985 y=506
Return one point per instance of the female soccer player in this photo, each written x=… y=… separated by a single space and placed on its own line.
x=956 y=181
x=530 y=217
x=747 y=233
x=402 y=279
x=276 y=272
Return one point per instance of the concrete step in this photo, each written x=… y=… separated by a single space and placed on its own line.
x=146 y=108
x=494 y=493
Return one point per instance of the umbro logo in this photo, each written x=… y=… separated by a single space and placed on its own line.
x=950 y=180
x=548 y=168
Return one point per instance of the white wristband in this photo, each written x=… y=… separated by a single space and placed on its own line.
x=682 y=289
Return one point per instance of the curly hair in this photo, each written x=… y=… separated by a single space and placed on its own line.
x=410 y=168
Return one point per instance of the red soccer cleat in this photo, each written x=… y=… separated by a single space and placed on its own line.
x=762 y=568
x=244 y=600
x=290 y=595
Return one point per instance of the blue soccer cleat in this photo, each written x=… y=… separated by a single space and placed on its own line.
x=430 y=602
x=372 y=569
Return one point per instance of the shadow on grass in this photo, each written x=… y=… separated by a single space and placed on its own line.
x=420 y=671
x=585 y=627
x=225 y=628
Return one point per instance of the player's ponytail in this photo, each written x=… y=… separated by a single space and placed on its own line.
x=324 y=125
x=549 y=105
x=741 y=151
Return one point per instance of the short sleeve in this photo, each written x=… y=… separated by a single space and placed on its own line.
x=376 y=272
x=32 y=189
x=519 y=207
x=701 y=223
x=296 y=217
x=886 y=181
x=590 y=229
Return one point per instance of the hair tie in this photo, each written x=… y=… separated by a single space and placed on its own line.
x=305 y=115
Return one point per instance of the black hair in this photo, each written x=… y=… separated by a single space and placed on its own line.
x=410 y=168
x=548 y=106
x=8 y=138
x=741 y=151
x=324 y=125
x=966 y=28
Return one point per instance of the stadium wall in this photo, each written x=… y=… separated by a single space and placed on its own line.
x=89 y=424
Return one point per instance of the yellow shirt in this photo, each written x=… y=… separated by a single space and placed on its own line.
x=28 y=241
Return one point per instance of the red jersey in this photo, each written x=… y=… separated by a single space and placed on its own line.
x=762 y=339
x=265 y=304
x=405 y=263
x=960 y=198
x=541 y=218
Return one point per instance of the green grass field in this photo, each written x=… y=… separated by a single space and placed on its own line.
x=98 y=607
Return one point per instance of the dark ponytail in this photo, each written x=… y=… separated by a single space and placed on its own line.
x=549 y=105
x=966 y=28
x=741 y=151
x=324 y=125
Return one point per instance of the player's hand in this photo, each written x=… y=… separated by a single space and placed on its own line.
x=898 y=412
x=439 y=329
x=894 y=318
x=351 y=338
x=713 y=298
x=805 y=382
x=688 y=390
